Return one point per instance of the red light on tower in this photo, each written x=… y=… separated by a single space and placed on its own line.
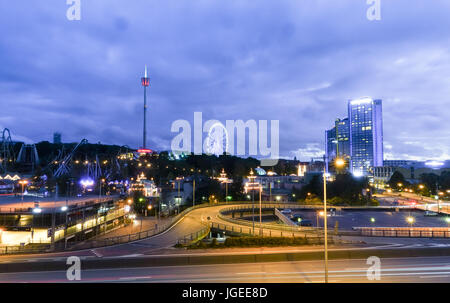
x=145 y=151
x=145 y=81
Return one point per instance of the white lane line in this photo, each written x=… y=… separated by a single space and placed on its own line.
x=135 y=278
x=99 y=255
x=251 y=273
x=124 y=256
x=436 y=276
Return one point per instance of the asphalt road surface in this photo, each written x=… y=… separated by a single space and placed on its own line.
x=398 y=270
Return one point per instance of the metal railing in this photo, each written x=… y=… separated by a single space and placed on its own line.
x=194 y=237
x=263 y=232
x=404 y=232
x=271 y=226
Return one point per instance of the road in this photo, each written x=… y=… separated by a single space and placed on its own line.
x=429 y=269
x=398 y=270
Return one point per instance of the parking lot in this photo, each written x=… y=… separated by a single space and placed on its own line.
x=347 y=219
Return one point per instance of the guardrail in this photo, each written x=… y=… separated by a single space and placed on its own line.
x=249 y=231
x=18 y=249
x=194 y=237
x=272 y=226
x=404 y=232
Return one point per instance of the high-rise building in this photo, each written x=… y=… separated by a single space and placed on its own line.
x=366 y=135
x=337 y=141
x=56 y=138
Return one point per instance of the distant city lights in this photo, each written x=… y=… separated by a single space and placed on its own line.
x=87 y=182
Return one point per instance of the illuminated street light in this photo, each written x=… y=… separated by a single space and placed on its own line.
x=410 y=220
x=23 y=183
x=252 y=185
x=339 y=162
x=64 y=208
x=372 y=220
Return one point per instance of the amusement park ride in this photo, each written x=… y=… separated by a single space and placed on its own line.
x=63 y=164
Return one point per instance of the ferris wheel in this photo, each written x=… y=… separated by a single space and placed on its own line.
x=217 y=141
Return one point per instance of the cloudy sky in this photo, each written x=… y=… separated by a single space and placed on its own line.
x=295 y=61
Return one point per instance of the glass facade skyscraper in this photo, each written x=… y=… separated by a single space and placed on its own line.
x=338 y=141
x=366 y=135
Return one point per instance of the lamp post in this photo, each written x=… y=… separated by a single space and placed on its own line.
x=252 y=185
x=325 y=230
x=260 y=212
x=338 y=163
x=23 y=183
x=193 y=192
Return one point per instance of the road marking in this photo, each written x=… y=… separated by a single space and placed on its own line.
x=437 y=276
x=135 y=278
x=124 y=256
x=99 y=255
x=251 y=273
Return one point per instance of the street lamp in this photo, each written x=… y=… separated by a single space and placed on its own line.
x=252 y=185
x=339 y=162
x=410 y=220
x=23 y=183
x=325 y=230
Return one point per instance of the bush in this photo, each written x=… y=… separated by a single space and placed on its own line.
x=252 y=242
x=264 y=241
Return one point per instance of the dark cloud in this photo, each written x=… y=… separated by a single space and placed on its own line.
x=296 y=61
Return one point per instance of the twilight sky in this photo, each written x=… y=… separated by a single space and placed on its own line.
x=295 y=61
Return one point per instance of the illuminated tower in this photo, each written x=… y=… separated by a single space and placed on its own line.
x=366 y=135
x=145 y=81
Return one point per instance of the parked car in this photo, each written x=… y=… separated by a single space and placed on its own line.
x=286 y=211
